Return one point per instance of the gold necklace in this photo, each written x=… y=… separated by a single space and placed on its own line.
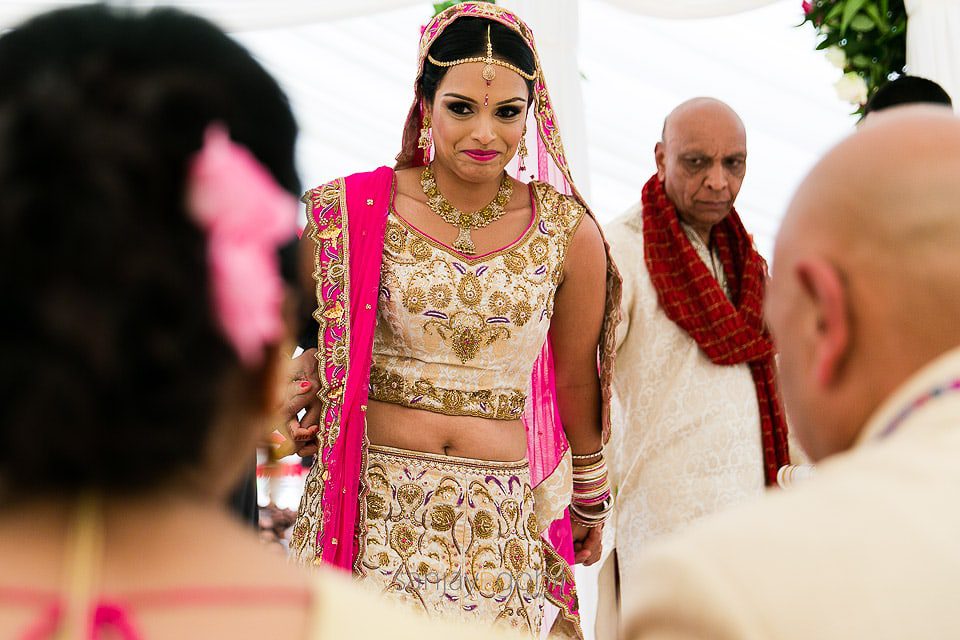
x=466 y=222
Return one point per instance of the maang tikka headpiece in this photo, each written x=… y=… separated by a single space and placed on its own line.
x=488 y=73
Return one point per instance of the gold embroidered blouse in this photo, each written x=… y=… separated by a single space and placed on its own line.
x=459 y=335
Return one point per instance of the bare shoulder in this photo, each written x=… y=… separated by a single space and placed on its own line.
x=409 y=178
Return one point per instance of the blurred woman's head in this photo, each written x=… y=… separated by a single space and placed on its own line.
x=116 y=371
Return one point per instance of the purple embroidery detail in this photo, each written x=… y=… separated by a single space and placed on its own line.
x=416 y=400
x=498 y=320
x=542 y=269
x=482 y=270
x=436 y=314
x=543 y=228
x=495 y=480
x=951 y=387
x=459 y=267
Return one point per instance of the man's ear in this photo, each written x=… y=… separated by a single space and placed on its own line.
x=660 y=155
x=823 y=285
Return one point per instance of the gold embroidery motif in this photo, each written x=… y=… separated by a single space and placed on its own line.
x=483 y=525
x=521 y=313
x=415 y=299
x=466 y=334
x=515 y=262
x=419 y=249
x=440 y=296
x=442 y=517
x=395 y=237
x=469 y=290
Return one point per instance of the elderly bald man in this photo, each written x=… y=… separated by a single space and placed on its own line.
x=863 y=306
x=699 y=422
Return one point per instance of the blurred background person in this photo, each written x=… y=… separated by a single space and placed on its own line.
x=146 y=188
x=906 y=90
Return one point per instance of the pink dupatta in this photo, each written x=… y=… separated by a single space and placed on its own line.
x=347 y=219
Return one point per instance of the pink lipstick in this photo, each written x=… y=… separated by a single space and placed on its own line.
x=482 y=155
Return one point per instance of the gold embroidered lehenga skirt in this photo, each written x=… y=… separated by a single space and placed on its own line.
x=454 y=537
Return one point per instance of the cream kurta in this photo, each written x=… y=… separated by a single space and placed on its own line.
x=865 y=549
x=686 y=436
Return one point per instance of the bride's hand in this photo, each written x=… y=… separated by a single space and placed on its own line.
x=301 y=393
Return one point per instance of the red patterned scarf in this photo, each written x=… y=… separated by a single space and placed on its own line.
x=729 y=330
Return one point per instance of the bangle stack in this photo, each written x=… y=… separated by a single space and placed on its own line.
x=592 y=498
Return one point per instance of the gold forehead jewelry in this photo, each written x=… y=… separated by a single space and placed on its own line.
x=465 y=222
x=488 y=73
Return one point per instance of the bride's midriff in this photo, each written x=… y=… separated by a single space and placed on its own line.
x=401 y=427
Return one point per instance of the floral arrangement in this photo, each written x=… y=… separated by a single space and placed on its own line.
x=866 y=39
x=441 y=6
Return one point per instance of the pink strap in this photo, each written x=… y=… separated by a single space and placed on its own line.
x=106 y=616
x=112 y=616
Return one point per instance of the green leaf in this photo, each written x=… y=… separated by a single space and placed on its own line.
x=443 y=6
x=861 y=61
x=879 y=19
x=850 y=9
x=862 y=23
x=834 y=12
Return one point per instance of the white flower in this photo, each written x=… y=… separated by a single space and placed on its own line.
x=852 y=88
x=836 y=57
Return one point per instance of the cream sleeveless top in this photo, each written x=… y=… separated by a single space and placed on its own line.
x=459 y=335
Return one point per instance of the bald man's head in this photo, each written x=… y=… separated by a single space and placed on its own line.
x=866 y=272
x=702 y=159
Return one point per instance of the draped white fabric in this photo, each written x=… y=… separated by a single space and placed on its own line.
x=243 y=15
x=688 y=8
x=933 y=43
x=234 y=15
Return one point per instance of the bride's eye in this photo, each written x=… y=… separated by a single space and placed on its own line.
x=508 y=112
x=459 y=108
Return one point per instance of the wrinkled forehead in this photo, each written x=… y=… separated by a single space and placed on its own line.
x=705 y=130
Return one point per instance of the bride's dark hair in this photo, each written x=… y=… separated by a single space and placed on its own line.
x=466 y=38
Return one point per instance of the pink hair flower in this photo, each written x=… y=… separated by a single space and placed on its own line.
x=247 y=217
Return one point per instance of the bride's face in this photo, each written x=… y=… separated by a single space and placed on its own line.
x=477 y=125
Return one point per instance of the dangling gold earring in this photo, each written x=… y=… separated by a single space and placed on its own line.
x=425 y=142
x=522 y=150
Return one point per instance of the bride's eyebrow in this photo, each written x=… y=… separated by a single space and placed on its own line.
x=460 y=97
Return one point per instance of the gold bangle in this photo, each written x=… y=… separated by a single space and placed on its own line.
x=590 y=466
x=587 y=456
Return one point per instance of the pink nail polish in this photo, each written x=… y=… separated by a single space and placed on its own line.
x=305 y=384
